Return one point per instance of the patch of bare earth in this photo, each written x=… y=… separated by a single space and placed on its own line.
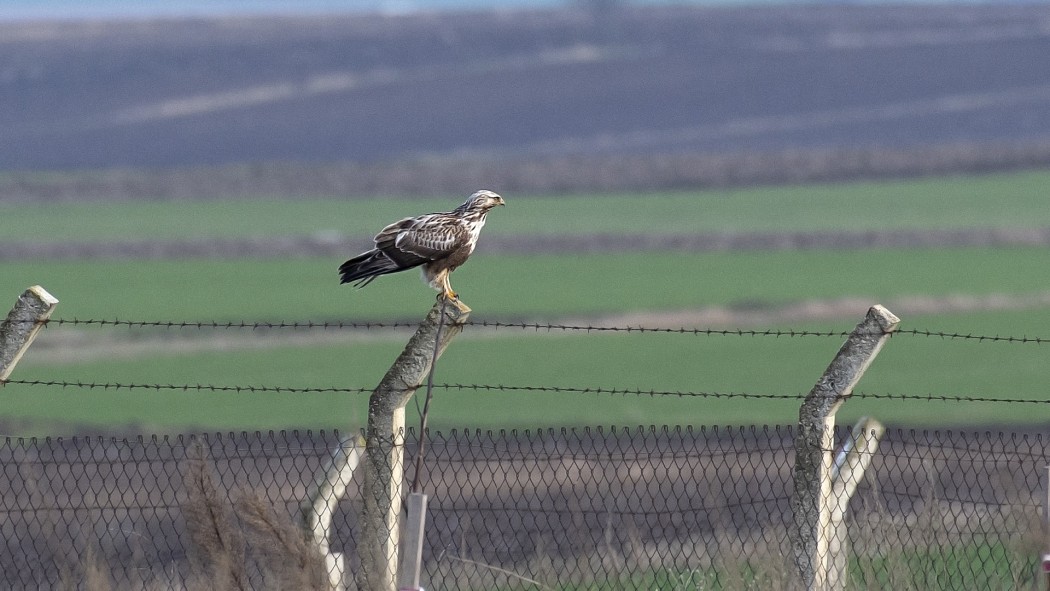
x=338 y=245
x=821 y=310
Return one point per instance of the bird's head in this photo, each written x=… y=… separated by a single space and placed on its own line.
x=481 y=201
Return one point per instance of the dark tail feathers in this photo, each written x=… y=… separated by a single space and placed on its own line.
x=364 y=268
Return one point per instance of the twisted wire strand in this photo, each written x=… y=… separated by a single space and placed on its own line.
x=533 y=326
x=973 y=337
x=513 y=388
x=183 y=387
x=234 y=324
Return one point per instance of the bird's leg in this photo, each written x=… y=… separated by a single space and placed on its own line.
x=446 y=289
x=451 y=297
x=439 y=281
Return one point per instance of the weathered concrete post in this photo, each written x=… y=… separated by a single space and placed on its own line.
x=385 y=439
x=815 y=439
x=323 y=500
x=846 y=473
x=21 y=326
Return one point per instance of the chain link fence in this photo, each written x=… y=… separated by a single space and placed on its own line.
x=645 y=508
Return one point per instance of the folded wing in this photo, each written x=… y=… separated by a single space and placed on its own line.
x=405 y=244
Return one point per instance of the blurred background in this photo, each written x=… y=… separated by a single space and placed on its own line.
x=726 y=166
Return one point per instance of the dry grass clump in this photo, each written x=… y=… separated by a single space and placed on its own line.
x=238 y=545
x=217 y=549
x=281 y=546
x=225 y=537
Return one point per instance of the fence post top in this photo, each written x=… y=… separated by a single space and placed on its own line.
x=42 y=295
x=455 y=310
x=886 y=320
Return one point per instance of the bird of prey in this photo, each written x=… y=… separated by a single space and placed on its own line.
x=438 y=242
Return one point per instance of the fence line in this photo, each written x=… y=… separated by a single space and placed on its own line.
x=533 y=326
x=505 y=388
x=186 y=387
x=923 y=436
x=920 y=442
x=601 y=508
x=957 y=441
x=633 y=509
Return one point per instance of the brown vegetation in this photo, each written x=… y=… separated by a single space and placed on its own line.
x=223 y=536
x=524 y=175
x=217 y=549
x=337 y=246
x=227 y=543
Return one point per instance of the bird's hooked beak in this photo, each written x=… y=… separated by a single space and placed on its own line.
x=500 y=201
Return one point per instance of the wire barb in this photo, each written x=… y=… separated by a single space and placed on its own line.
x=232 y=324
x=185 y=387
x=973 y=337
x=530 y=326
x=599 y=390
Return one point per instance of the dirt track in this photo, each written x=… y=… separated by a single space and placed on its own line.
x=328 y=246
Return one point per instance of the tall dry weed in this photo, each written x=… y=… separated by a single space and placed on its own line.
x=90 y=574
x=217 y=551
x=281 y=546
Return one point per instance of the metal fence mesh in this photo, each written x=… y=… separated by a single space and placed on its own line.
x=652 y=508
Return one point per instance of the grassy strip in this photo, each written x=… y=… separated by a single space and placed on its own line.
x=1001 y=200
x=759 y=365
x=521 y=286
x=977 y=564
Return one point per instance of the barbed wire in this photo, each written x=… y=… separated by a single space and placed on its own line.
x=538 y=327
x=512 y=388
x=233 y=324
x=945 y=398
x=370 y=325
x=184 y=387
x=533 y=326
x=972 y=337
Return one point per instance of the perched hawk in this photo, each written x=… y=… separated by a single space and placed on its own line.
x=439 y=242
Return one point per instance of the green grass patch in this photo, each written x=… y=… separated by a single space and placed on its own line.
x=912 y=365
x=997 y=200
x=978 y=564
x=521 y=286
x=974 y=565
x=547 y=288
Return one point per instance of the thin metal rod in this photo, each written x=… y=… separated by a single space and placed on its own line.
x=426 y=403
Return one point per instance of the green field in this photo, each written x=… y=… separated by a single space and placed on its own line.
x=554 y=288
x=1003 y=200
x=909 y=364
x=535 y=287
